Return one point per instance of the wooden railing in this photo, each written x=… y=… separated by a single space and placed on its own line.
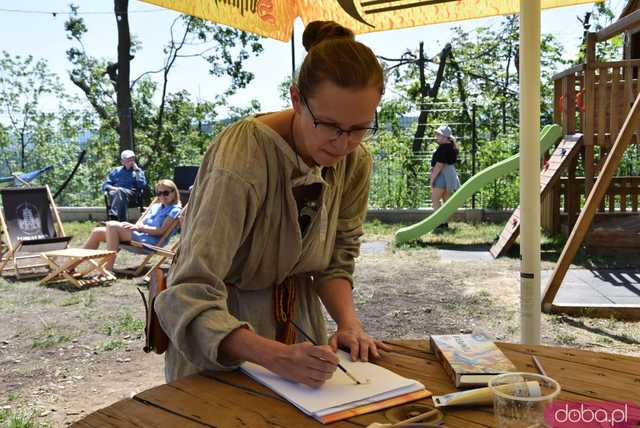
x=599 y=108
x=623 y=195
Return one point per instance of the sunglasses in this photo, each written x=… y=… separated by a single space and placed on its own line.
x=164 y=192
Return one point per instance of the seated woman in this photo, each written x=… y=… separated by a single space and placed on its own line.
x=148 y=229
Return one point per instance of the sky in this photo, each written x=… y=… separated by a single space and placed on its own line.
x=29 y=27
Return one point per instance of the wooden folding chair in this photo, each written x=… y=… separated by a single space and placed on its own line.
x=151 y=251
x=164 y=254
x=30 y=225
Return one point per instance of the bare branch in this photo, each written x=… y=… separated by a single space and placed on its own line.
x=196 y=54
x=144 y=74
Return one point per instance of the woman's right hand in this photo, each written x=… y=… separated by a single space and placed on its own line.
x=305 y=363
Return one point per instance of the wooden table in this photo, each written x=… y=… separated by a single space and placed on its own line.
x=214 y=399
x=63 y=264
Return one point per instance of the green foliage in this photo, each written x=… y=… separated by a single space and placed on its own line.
x=19 y=419
x=393 y=165
x=482 y=71
x=33 y=138
x=171 y=128
x=376 y=227
x=71 y=300
x=50 y=336
x=464 y=234
x=176 y=130
x=112 y=345
x=124 y=323
x=25 y=84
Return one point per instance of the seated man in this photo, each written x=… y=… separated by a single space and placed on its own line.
x=122 y=184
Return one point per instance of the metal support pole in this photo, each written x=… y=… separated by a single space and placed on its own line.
x=474 y=149
x=529 y=171
x=293 y=54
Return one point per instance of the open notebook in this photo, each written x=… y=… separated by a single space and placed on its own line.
x=339 y=398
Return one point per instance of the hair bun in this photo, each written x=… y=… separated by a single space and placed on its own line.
x=319 y=31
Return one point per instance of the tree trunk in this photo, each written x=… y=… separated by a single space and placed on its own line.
x=123 y=94
x=424 y=92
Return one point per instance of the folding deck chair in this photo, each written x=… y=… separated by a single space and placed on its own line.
x=149 y=251
x=30 y=225
x=163 y=254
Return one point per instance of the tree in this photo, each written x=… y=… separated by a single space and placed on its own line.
x=25 y=85
x=481 y=69
x=123 y=93
x=600 y=16
x=41 y=125
x=163 y=126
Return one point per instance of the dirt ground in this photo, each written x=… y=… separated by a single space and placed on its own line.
x=65 y=353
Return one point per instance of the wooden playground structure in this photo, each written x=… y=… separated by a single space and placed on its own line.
x=601 y=101
x=598 y=106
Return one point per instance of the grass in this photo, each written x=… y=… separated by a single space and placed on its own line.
x=458 y=233
x=566 y=338
x=112 y=345
x=461 y=234
x=88 y=299
x=80 y=230
x=17 y=419
x=71 y=300
x=50 y=336
x=603 y=340
x=376 y=227
x=124 y=324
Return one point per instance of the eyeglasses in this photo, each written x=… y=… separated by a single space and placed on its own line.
x=164 y=192
x=332 y=132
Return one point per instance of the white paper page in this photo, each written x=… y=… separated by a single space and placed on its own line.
x=380 y=397
x=338 y=390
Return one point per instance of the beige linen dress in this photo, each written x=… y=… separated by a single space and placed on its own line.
x=242 y=228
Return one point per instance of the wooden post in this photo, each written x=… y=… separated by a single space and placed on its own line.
x=573 y=195
x=555 y=226
x=581 y=112
x=54 y=210
x=546 y=221
x=615 y=116
x=565 y=105
x=603 y=104
x=635 y=185
x=586 y=216
x=571 y=104
x=589 y=116
x=557 y=93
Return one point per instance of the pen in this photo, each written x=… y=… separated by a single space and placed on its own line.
x=538 y=365
x=314 y=342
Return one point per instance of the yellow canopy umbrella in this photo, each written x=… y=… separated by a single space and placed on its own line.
x=274 y=19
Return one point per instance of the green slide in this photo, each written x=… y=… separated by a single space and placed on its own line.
x=549 y=135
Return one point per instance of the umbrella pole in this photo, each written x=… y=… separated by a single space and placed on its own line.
x=530 y=171
x=293 y=54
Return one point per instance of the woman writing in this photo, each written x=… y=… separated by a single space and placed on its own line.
x=148 y=229
x=274 y=226
x=444 y=178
